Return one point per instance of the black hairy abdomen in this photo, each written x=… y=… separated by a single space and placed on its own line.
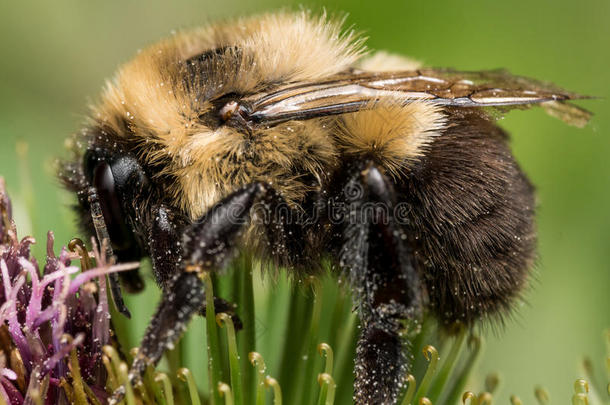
x=470 y=218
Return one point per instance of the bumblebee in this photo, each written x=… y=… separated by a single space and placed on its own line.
x=282 y=136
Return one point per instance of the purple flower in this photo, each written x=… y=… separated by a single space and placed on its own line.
x=45 y=317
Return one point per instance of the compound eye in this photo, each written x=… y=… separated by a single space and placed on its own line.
x=104 y=183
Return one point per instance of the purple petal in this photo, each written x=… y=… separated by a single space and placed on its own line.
x=14 y=327
x=63 y=351
x=8 y=373
x=33 y=308
x=6 y=280
x=10 y=393
x=97 y=272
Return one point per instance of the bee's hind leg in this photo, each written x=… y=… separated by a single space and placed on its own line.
x=377 y=262
x=207 y=245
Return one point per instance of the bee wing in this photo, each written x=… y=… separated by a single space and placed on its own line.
x=357 y=90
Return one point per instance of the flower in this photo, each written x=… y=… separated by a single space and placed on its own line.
x=54 y=323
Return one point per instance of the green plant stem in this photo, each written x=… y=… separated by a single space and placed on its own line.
x=214 y=353
x=410 y=392
x=438 y=385
x=433 y=358
x=297 y=324
x=259 y=364
x=80 y=397
x=223 y=287
x=277 y=391
x=122 y=371
x=163 y=379
x=421 y=339
x=186 y=375
x=234 y=365
x=246 y=339
x=309 y=353
x=325 y=351
x=225 y=391
x=175 y=359
x=458 y=386
x=149 y=383
x=327 y=389
x=345 y=358
x=276 y=310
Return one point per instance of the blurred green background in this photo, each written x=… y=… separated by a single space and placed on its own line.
x=56 y=55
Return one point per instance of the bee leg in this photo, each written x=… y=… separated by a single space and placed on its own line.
x=207 y=245
x=285 y=237
x=384 y=281
x=164 y=244
x=164 y=241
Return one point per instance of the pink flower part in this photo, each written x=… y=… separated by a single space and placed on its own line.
x=98 y=272
x=10 y=393
x=8 y=373
x=10 y=311
x=63 y=351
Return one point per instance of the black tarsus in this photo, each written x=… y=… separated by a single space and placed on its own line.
x=99 y=224
x=164 y=244
x=117 y=295
x=377 y=262
x=207 y=245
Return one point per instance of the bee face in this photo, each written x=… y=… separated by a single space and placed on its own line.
x=285 y=110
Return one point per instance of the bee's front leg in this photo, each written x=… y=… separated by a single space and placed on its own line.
x=165 y=236
x=378 y=264
x=207 y=245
